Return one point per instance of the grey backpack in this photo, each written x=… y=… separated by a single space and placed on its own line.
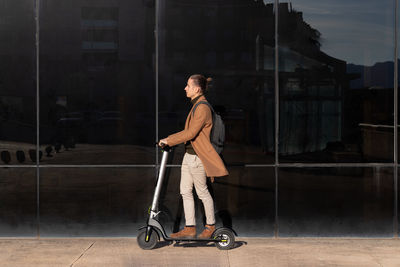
x=217 y=136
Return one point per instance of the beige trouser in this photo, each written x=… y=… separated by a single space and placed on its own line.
x=192 y=173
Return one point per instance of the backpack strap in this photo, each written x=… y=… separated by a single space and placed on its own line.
x=202 y=102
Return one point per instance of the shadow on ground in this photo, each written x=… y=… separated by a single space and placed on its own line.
x=189 y=244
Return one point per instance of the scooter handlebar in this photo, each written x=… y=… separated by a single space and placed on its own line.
x=164 y=147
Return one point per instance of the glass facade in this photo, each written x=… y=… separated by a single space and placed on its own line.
x=337 y=201
x=244 y=202
x=18 y=208
x=220 y=40
x=94 y=201
x=17 y=82
x=307 y=91
x=336 y=73
x=97 y=88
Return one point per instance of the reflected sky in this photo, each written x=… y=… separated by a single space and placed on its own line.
x=357 y=31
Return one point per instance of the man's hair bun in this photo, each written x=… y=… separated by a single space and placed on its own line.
x=201 y=81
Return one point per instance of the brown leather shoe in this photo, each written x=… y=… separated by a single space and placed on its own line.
x=187 y=232
x=207 y=232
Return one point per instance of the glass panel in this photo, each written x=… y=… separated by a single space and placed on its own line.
x=97 y=101
x=18 y=202
x=398 y=74
x=17 y=81
x=94 y=201
x=332 y=202
x=336 y=81
x=233 y=43
x=244 y=201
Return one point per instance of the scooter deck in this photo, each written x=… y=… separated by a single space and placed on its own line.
x=194 y=239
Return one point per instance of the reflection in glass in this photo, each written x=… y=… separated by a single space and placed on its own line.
x=232 y=42
x=17 y=80
x=244 y=201
x=330 y=202
x=18 y=202
x=94 y=201
x=336 y=81
x=97 y=82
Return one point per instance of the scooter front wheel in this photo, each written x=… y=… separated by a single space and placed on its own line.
x=227 y=238
x=151 y=241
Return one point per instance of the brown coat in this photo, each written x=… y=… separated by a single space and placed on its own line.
x=197 y=131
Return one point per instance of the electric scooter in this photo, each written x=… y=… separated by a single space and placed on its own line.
x=149 y=235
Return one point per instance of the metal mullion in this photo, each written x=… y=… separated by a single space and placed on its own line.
x=18 y=166
x=282 y=165
x=395 y=212
x=335 y=165
x=276 y=34
x=254 y=165
x=276 y=224
x=292 y=165
x=37 y=36
x=156 y=39
x=395 y=123
x=98 y=166
x=276 y=84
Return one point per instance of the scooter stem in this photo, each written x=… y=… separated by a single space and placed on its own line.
x=163 y=166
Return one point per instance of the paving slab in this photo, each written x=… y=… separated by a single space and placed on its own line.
x=247 y=252
x=52 y=252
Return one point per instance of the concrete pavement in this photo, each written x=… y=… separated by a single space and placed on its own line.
x=248 y=252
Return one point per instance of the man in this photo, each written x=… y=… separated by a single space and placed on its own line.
x=200 y=159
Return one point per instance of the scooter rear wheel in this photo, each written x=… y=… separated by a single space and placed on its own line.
x=152 y=240
x=227 y=236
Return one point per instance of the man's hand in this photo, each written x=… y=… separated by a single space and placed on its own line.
x=163 y=142
x=212 y=179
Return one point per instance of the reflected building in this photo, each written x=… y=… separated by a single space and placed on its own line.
x=369 y=109
x=218 y=39
x=330 y=110
x=97 y=68
x=239 y=55
x=17 y=71
x=312 y=88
